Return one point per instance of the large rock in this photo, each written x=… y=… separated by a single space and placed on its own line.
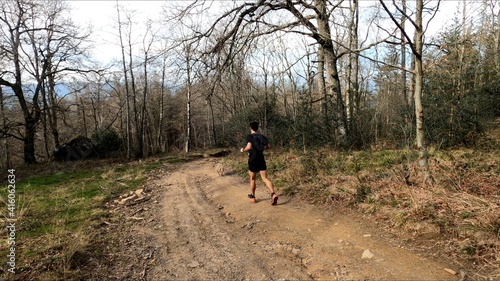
x=77 y=149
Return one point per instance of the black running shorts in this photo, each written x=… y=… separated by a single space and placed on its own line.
x=257 y=165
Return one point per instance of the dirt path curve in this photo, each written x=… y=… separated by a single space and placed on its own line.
x=210 y=231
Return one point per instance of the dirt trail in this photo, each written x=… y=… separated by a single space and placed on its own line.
x=210 y=231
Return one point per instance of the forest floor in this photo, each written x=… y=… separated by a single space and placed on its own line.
x=340 y=216
x=197 y=225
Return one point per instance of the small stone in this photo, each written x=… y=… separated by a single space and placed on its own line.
x=367 y=255
x=139 y=191
x=450 y=271
x=367 y=235
x=295 y=251
x=193 y=264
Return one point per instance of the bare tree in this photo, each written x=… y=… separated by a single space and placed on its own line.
x=37 y=44
x=147 y=42
x=62 y=50
x=352 y=83
x=247 y=21
x=188 y=60
x=161 y=139
x=416 y=46
x=14 y=15
x=127 y=89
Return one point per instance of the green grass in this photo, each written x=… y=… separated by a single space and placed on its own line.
x=66 y=199
x=56 y=212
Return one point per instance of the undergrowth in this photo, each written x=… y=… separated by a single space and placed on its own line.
x=460 y=212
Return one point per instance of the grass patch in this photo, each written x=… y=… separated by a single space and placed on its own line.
x=57 y=211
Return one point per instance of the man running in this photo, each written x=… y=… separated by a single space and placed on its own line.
x=255 y=145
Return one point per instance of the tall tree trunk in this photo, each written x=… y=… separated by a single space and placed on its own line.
x=53 y=121
x=187 y=143
x=29 y=141
x=418 y=74
x=352 y=84
x=5 y=141
x=162 y=105
x=211 y=120
x=141 y=136
x=127 y=92
x=407 y=100
x=31 y=115
x=266 y=91
x=419 y=110
x=84 y=118
x=138 y=137
x=332 y=74
x=322 y=86
x=45 y=122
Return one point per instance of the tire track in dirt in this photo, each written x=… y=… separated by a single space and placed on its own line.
x=212 y=232
x=201 y=242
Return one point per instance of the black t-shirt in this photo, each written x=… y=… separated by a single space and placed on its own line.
x=254 y=154
x=256 y=161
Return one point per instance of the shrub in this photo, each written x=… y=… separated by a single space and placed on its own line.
x=107 y=142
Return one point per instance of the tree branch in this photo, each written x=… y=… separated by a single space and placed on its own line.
x=410 y=42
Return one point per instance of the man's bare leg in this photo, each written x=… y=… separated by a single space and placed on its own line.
x=253 y=185
x=269 y=184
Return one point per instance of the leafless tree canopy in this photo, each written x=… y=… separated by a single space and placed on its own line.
x=345 y=74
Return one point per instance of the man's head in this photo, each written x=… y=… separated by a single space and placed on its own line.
x=254 y=125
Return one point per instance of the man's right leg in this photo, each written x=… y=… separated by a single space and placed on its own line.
x=269 y=184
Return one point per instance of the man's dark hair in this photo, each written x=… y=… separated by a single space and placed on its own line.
x=254 y=125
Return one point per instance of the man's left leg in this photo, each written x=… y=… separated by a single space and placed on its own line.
x=253 y=186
